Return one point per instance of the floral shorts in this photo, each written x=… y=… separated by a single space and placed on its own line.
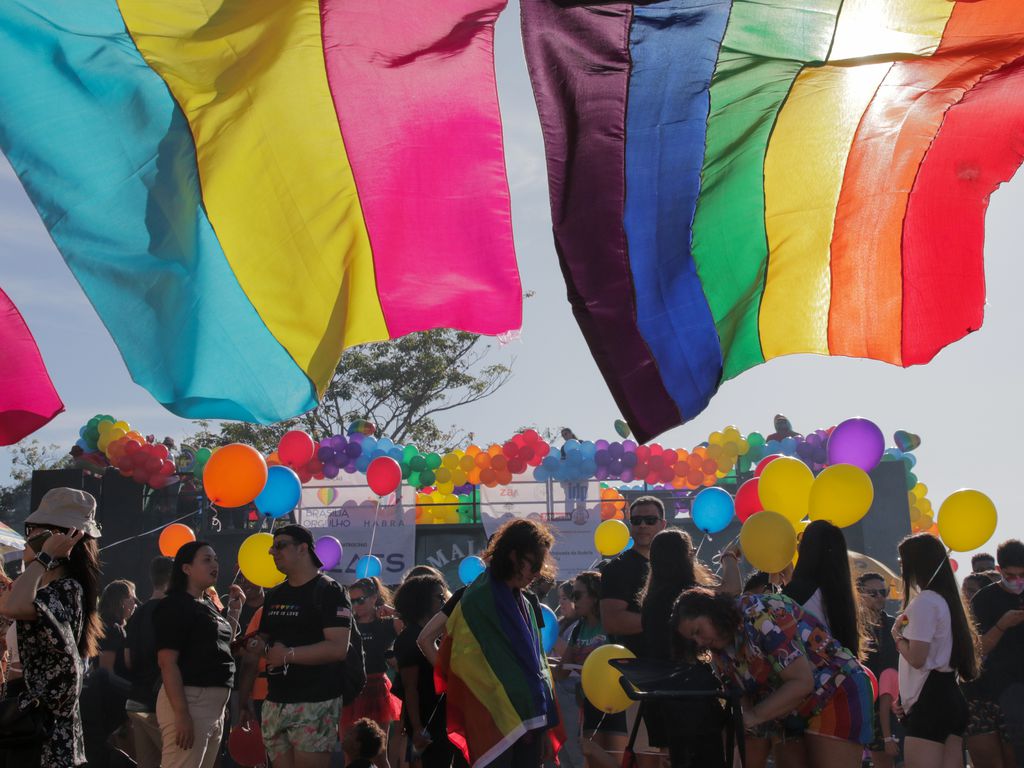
x=984 y=716
x=304 y=727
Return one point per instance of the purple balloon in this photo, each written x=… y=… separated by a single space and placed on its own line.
x=627 y=475
x=325 y=454
x=331 y=471
x=353 y=450
x=628 y=446
x=601 y=445
x=328 y=549
x=858 y=442
x=615 y=450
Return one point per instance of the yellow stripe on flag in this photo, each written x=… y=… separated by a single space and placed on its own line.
x=806 y=161
x=276 y=181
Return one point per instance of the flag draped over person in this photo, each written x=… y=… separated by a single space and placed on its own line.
x=736 y=180
x=244 y=190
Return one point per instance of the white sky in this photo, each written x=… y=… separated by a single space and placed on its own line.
x=965 y=404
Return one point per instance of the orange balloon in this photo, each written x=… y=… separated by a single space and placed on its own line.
x=234 y=475
x=174 y=537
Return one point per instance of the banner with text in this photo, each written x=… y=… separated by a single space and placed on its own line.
x=576 y=508
x=348 y=513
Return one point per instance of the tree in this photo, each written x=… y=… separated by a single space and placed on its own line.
x=401 y=386
x=26 y=457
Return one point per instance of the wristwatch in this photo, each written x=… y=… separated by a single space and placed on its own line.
x=45 y=560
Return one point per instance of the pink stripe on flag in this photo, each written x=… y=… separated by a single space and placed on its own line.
x=414 y=89
x=27 y=397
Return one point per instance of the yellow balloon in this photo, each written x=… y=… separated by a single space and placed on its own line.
x=785 y=487
x=256 y=563
x=611 y=537
x=768 y=541
x=601 y=680
x=967 y=519
x=841 y=494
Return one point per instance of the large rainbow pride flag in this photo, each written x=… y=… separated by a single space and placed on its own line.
x=735 y=180
x=244 y=189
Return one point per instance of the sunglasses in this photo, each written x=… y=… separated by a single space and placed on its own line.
x=279 y=545
x=32 y=529
x=577 y=596
x=359 y=600
x=874 y=592
x=644 y=519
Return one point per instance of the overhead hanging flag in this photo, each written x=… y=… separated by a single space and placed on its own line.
x=736 y=180
x=244 y=190
x=28 y=400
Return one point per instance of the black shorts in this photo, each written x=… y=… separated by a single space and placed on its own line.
x=939 y=712
x=600 y=722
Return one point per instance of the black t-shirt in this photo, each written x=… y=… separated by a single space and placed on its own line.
x=140 y=640
x=408 y=654
x=297 y=616
x=378 y=644
x=622 y=579
x=200 y=635
x=882 y=653
x=113 y=638
x=1004 y=664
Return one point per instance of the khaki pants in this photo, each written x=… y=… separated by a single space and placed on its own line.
x=146 y=735
x=206 y=707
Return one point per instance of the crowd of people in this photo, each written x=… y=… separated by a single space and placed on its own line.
x=420 y=676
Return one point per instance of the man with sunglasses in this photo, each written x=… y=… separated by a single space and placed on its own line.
x=303 y=635
x=882 y=656
x=622 y=578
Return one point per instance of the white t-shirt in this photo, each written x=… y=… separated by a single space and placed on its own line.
x=928 y=621
x=815 y=606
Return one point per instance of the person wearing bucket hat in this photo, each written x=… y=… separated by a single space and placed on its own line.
x=303 y=635
x=55 y=605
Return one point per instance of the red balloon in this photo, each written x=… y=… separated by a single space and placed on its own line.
x=245 y=744
x=764 y=463
x=383 y=475
x=747 y=500
x=954 y=565
x=296 y=448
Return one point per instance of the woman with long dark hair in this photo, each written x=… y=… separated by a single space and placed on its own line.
x=54 y=603
x=196 y=664
x=822 y=584
x=117 y=604
x=936 y=642
x=417 y=600
x=789 y=668
x=674 y=568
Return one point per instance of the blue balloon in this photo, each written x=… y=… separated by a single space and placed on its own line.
x=549 y=632
x=281 y=494
x=470 y=568
x=540 y=474
x=629 y=544
x=368 y=566
x=713 y=510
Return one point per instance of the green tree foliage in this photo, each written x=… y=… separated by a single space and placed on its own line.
x=26 y=457
x=402 y=386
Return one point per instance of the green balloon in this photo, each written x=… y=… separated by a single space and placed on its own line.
x=911 y=481
x=418 y=463
x=433 y=460
x=409 y=451
x=406 y=471
x=755 y=438
x=427 y=477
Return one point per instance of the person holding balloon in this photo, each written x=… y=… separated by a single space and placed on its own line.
x=376 y=702
x=607 y=731
x=936 y=643
x=197 y=667
x=789 y=668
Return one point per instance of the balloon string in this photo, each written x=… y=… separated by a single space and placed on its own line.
x=154 y=530
x=703 y=538
x=598 y=727
x=373 y=533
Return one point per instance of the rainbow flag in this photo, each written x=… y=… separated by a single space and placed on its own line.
x=736 y=180
x=28 y=400
x=246 y=189
x=494 y=673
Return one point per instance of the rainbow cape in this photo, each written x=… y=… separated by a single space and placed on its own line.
x=245 y=189
x=495 y=674
x=28 y=400
x=735 y=180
